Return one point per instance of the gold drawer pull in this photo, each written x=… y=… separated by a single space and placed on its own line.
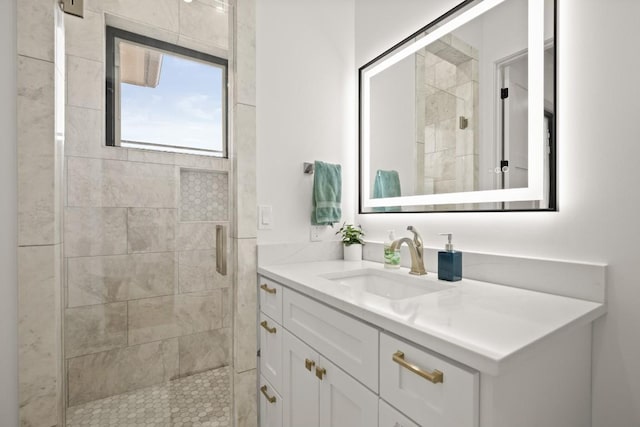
x=266 y=326
x=309 y=364
x=267 y=289
x=435 y=376
x=320 y=372
x=271 y=399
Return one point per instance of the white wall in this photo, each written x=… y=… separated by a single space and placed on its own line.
x=299 y=119
x=306 y=108
x=8 y=219
x=597 y=143
x=598 y=169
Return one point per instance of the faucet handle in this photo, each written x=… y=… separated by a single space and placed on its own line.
x=417 y=239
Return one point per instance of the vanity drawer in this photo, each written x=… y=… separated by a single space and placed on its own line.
x=391 y=417
x=345 y=341
x=271 y=350
x=270 y=298
x=452 y=402
x=270 y=405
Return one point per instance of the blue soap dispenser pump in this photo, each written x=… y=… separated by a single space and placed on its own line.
x=449 y=262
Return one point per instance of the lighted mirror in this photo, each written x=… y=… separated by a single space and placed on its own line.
x=460 y=116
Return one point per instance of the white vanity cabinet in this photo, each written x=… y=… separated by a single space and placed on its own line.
x=318 y=393
x=324 y=364
x=270 y=298
x=426 y=387
x=270 y=332
x=348 y=342
x=299 y=385
x=388 y=416
x=270 y=405
x=323 y=368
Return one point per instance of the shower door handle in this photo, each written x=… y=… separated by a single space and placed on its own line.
x=221 y=249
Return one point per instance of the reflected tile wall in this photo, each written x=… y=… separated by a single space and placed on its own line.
x=447 y=77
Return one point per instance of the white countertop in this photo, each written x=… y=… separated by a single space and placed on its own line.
x=480 y=324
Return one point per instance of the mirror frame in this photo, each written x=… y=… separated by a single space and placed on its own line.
x=456 y=17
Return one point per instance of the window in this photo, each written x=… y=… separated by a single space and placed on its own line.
x=164 y=97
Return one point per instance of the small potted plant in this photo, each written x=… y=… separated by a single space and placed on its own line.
x=352 y=241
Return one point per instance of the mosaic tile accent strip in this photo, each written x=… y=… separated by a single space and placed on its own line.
x=204 y=196
x=198 y=400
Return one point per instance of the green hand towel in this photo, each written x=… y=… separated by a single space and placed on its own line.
x=327 y=194
x=386 y=184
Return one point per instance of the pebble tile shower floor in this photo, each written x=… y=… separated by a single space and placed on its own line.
x=195 y=401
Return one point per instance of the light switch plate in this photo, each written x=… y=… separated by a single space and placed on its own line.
x=265 y=217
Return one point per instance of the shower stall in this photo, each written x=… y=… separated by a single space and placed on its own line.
x=149 y=314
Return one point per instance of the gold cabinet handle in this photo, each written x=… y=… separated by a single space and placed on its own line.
x=320 y=372
x=309 y=364
x=267 y=327
x=435 y=376
x=267 y=289
x=271 y=399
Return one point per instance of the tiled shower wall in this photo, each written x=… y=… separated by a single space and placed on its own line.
x=144 y=303
x=40 y=180
x=447 y=89
x=40 y=143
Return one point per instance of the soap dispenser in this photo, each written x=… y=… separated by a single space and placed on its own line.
x=391 y=256
x=449 y=262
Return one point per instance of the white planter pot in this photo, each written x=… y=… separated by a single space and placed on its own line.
x=353 y=252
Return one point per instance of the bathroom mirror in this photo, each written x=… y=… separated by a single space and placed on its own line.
x=460 y=116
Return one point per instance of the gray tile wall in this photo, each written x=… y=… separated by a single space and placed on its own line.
x=144 y=301
x=447 y=78
x=137 y=276
x=101 y=275
x=244 y=231
x=40 y=145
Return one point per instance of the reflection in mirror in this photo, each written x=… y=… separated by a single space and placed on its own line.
x=453 y=116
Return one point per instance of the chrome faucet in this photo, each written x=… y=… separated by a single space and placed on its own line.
x=415 y=249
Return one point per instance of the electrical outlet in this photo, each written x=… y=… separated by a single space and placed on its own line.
x=316 y=233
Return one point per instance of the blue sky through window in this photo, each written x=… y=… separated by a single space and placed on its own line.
x=184 y=109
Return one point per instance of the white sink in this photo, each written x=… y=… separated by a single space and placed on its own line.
x=389 y=285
